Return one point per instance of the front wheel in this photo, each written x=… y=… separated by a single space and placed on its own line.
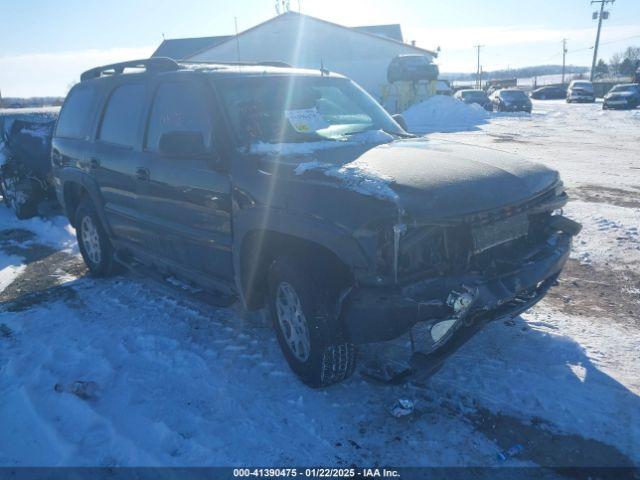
x=302 y=302
x=93 y=240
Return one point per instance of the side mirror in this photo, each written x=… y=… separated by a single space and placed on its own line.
x=401 y=121
x=182 y=144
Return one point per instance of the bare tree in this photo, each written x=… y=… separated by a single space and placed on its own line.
x=614 y=63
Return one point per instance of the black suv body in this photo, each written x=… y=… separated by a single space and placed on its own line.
x=625 y=96
x=295 y=190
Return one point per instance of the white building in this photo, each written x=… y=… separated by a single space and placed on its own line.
x=362 y=53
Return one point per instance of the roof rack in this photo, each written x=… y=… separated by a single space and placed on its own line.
x=156 y=64
x=241 y=64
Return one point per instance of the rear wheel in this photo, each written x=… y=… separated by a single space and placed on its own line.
x=302 y=302
x=93 y=240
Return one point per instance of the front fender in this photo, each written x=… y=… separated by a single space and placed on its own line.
x=338 y=240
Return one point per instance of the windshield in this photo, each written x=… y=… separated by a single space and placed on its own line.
x=583 y=85
x=415 y=60
x=513 y=95
x=296 y=109
x=625 y=88
x=474 y=95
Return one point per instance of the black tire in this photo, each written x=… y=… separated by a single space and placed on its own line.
x=332 y=357
x=20 y=198
x=102 y=264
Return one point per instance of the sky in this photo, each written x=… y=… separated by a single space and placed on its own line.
x=46 y=44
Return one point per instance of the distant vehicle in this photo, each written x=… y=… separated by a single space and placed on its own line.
x=549 y=93
x=495 y=85
x=580 y=91
x=412 y=68
x=479 y=97
x=25 y=169
x=197 y=169
x=443 y=88
x=622 y=96
x=511 y=100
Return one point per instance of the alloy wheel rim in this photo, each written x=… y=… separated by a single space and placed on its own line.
x=292 y=321
x=90 y=239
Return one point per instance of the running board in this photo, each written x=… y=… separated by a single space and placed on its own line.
x=172 y=283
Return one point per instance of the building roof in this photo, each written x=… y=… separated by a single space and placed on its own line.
x=184 y=48
x=393 y=31
x=181 y=48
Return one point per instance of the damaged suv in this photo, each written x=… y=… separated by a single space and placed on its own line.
x=294 y=190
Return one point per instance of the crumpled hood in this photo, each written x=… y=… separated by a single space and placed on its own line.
x=436 y=179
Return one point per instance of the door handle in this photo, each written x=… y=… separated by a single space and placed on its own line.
x=94 y=163
x=142 y=173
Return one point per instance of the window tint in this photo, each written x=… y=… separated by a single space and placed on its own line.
x=179 y=107
x=122 y=115
x=76 y=113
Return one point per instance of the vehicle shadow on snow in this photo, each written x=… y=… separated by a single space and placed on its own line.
x=524 y=383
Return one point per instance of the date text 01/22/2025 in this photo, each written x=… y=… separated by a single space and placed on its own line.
x=316 y=472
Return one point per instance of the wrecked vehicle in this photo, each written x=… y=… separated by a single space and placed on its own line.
x=25 y=160
x=294 y=190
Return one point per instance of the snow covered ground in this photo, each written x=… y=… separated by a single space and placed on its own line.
x=124 y=372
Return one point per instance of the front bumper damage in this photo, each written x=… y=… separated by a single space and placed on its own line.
x=375 y=314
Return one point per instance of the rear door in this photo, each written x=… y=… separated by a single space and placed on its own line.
x=115 y=156
x=185 y=199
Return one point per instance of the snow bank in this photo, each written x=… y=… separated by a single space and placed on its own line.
x=444 y=114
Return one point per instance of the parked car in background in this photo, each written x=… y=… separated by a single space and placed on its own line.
x=411 y=68
x=272 y=185
x=626 y=95
x=549 y=93
x=478 y=97
x=443 y=88
x=580 y=91
x=511 y=100
x=25 y=159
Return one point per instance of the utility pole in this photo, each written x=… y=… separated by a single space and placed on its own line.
x=478 y=81
x=601 y=16
x=564 y=57
x=235 y=21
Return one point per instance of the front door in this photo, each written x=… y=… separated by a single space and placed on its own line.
x=184 y=196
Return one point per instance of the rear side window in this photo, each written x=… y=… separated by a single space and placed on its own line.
x=75 y=117
x=180 y=107
x=122 y=115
